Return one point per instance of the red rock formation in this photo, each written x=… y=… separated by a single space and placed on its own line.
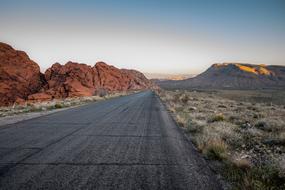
x=21 y=80
x=137 y=80
x=70 y=80
x=112 y=78
x=74 y=79
x=19 y=75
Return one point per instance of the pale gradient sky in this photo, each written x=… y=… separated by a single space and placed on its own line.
x=153 y=36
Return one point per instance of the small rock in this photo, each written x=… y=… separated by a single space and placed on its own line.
x=244 y=156
x=246 y=125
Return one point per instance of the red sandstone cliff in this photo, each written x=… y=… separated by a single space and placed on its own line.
x=20 y=79
x=19 y=75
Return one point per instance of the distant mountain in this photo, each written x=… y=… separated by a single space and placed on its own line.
x=21 y=79
x=233 y=76
x=160 y=76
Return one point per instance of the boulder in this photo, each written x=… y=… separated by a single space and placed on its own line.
x=70 y=80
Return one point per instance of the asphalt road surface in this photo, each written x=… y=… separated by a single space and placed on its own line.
x=124 y=143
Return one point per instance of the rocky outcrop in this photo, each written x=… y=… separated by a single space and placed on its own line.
x=137 y=80
x=19 y=76
x=233 y=76
x=21 y=79
x=75 y=79
x=112 y=78
x=70 y=80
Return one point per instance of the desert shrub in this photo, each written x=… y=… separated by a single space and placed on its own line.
x=227 y=132
x=176 y=97
x=67 y=104
x=29 y=104
x=217 y=118
x=270 y=124
x=25 y=110
x=258 y=115
x=253 y=108
x=179 y=108
x=234 y=119
x=181 y=119
x=243 y=164
x=262 y=125
x=193 y=127
x=101 y=92
x=184 y=98
x=35 y=108
x=58 y=106
x=265 y=177
x=274 y=141
x=242 y=176
x=236 y=175
x=215 y=149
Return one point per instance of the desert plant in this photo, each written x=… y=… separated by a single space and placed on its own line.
x=101 y=92
x=181 y=120
x=193 y=127
x=176 y=97
x=58 y=106
x=265 y=177
x=218 y=117
x=262 y=125
x=250 y=129
x=243 y=164
x=34 y=108
x=184 y=98
x=215 y=149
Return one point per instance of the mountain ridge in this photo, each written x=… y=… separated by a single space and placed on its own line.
x=233 y=76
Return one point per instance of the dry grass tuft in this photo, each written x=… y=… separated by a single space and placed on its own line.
x=218 y=117
x=215 y=149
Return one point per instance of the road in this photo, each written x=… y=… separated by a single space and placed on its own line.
x=123 y=143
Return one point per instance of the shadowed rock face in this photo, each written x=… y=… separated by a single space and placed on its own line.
x=234 y=76
x=20 y=79
x=19 y=75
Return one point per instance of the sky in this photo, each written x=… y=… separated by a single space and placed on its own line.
x=153 y=36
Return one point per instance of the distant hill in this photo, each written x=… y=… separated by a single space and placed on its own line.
x=233 y=76
x=159 y=76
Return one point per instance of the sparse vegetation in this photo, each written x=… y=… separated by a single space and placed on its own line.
x=217 y=118
x=244 y=135
x=55 y=104
x=58 y=106
x=215 y=149
x=101 y=92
